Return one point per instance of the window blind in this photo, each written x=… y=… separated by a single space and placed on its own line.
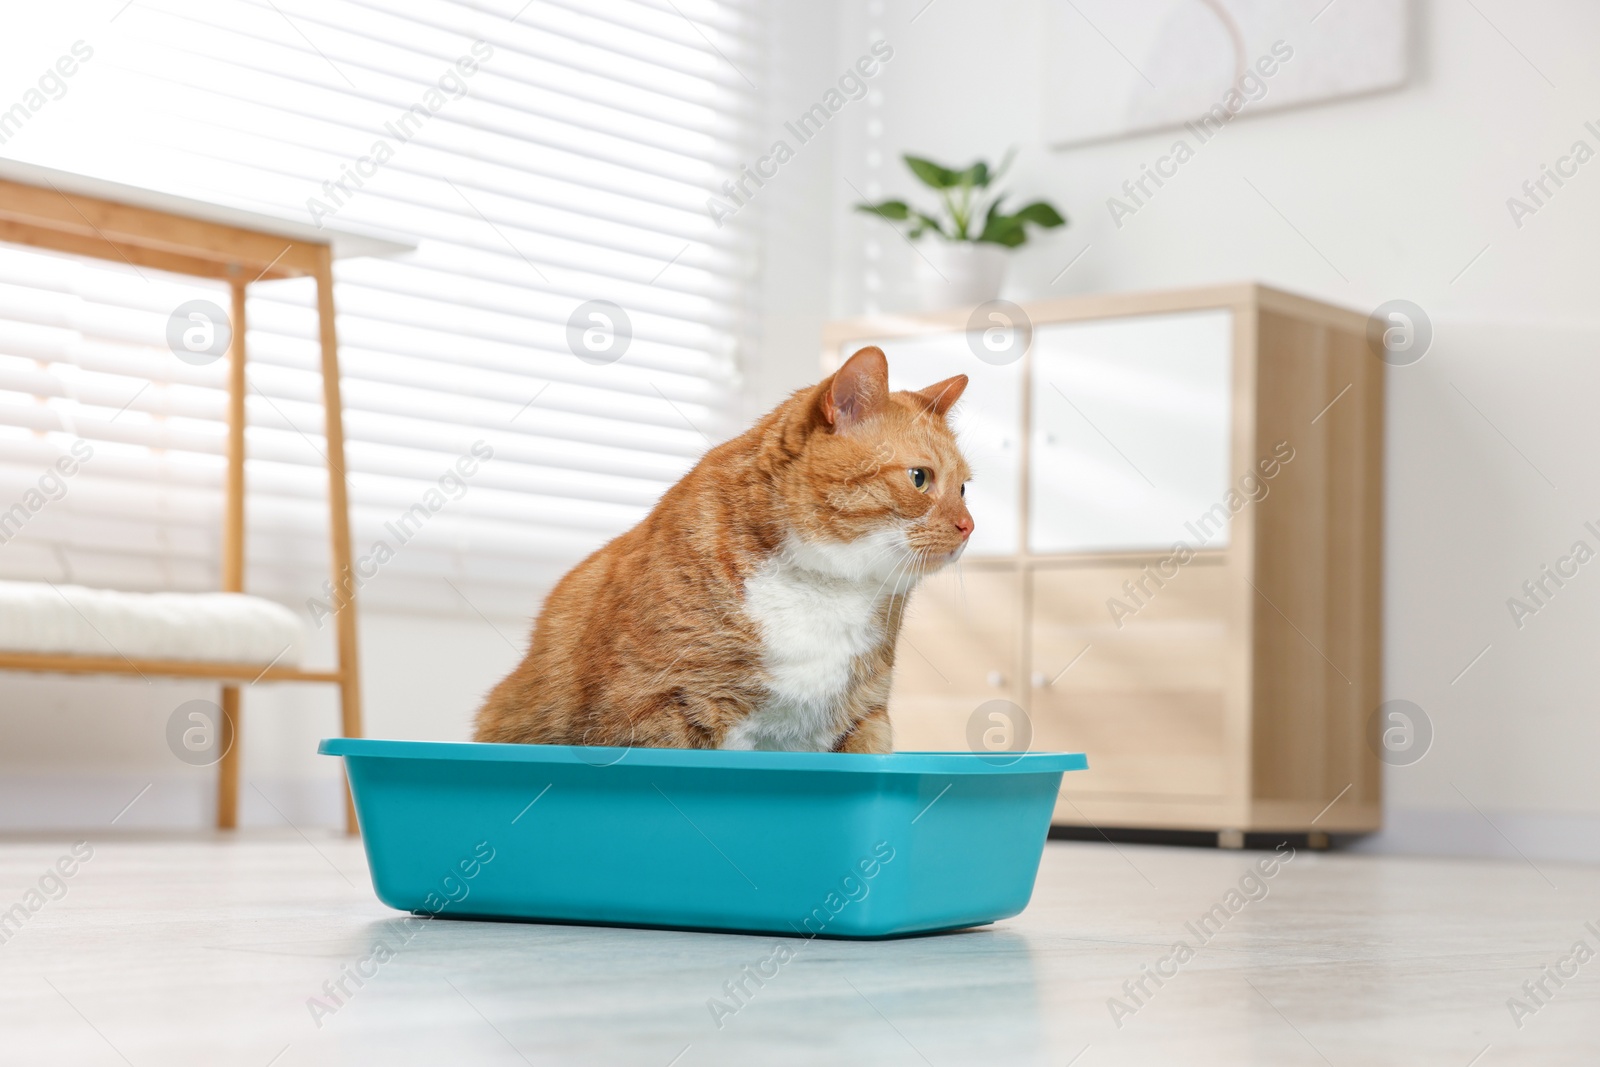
x=552 y=162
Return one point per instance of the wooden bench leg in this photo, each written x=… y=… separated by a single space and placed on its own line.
x=228 y=768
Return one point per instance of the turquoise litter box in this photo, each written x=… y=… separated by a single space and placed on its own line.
x=807 y=844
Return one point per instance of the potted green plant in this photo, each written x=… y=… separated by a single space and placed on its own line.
x=967 y=264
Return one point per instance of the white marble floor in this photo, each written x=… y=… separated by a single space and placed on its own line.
x=199 y=951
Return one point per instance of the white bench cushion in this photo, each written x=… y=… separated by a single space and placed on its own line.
x=215 y=627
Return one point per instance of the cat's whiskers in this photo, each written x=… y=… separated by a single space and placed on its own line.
x=908 y=574
x=915 y=571
x=871 y=563
x=910 y=554
x=921 y=567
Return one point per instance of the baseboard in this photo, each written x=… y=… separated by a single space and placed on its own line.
x=1263 y=841
x=1410 y=832
x=87 y=803
x=1503 y=835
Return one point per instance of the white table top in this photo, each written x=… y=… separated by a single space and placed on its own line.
x=346 y=241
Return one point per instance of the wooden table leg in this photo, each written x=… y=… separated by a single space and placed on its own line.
x=233 y=557
x=339 y=518
x=228 y=768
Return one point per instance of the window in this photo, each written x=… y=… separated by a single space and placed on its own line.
x=552 y=163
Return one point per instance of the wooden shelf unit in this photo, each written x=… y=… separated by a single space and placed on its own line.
x=1236 y=697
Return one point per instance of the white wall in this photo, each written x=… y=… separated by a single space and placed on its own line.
x=796 y=249
x=1397 y=192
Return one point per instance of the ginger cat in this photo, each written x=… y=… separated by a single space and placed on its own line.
x=757 y=605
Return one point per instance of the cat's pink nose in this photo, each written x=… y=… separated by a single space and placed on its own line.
x=964 y=524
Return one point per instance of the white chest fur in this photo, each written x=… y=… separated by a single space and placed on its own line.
x=819 y=609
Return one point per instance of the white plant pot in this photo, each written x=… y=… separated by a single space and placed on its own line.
x=958 y=274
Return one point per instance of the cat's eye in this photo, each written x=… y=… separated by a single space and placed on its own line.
x=921 y=478
x=963 y=488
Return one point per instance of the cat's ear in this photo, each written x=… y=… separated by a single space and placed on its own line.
x=859 y=389
x=940 y=397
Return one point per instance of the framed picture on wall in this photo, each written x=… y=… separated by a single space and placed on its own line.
x=1113 y=69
